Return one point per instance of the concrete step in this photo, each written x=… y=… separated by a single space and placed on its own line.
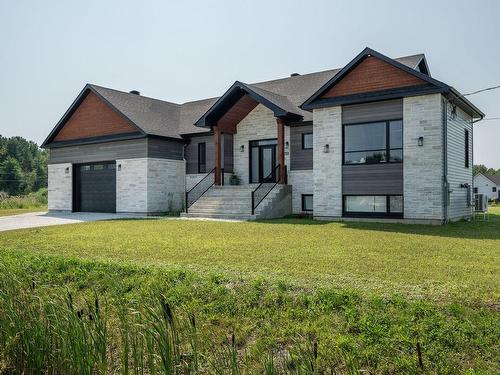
x=225 y=216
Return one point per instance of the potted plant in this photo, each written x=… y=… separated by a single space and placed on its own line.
x=234 y=180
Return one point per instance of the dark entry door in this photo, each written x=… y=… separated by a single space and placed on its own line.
x=95 y=187
x=267 y=169
x=263 y=161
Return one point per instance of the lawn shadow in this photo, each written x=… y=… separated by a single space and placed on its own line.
x=475 y=229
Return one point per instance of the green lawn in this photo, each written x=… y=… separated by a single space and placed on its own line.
x=19 y=211
x=366 y=294
x=437 y=262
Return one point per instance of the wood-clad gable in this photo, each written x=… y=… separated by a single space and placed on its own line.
x=93 y=118
x=372 y=74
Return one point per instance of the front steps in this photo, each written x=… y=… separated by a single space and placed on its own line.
x=235 y=203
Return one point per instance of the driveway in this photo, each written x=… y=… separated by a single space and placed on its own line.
x=43 y=219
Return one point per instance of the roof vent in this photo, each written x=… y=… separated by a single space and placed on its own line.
x=135 y=92
x=294 y=74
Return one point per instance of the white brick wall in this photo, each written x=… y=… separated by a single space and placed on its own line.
x=165 y=185
x=258 y=124
x=327 y=129
x=131 y=185
x=149 y=185
x=302 y=183
x=60 y=187
x=423 y=166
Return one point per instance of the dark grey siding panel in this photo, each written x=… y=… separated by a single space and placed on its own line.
x=164 y=149
x=376 y=111
x=191 y=154
x=134 y=148
x=228 y=153
x=300 y=159
x=372 y=179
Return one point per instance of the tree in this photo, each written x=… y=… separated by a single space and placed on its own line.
x=11 y=176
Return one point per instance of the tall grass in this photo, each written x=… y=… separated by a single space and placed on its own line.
x=32 y=200
x=47 y=332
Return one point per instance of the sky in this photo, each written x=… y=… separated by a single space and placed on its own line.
x=186 y=50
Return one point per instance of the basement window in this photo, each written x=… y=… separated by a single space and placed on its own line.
x=307 y=202
x=373 y=205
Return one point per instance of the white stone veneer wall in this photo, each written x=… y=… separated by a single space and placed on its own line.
x=423 y=165
x=302 y=183
x=327 y=167
x=258 y=124
x=165 y=185
x=131 y=185
x=60 y=187
x=149 y=185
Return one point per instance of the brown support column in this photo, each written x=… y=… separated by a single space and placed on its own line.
x=281 y=149
x=218 y=166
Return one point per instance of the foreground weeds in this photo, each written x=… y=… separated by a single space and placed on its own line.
x=67 y=316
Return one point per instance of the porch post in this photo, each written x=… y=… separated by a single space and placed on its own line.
x=218 y=159
x=281 y=149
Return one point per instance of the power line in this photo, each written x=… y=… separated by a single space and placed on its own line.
x=486 y=89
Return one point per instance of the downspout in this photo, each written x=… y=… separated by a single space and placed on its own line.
x=446 y=188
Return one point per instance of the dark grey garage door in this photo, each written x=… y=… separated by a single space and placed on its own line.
x=95 y=187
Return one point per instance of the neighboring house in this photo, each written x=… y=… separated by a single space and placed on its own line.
x=376 y=139
x=488 y=185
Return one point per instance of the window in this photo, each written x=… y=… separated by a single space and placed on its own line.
x=467 y=148
x=307 y=202
x=202 y=157
x=373 y=205
x=494 y=189
x=372 y=143
x=307 y=141
x=475 y=190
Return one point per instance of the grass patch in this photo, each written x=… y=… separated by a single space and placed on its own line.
x=19 y=211
x=274 y=324
x=343 y=296
x=459 y=261
x=35 y=200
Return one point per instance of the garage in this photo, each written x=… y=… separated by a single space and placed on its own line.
x=94 y=187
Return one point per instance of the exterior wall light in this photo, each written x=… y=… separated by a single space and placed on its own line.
x=287 y=145
x=242 y=148
x=326 y=148
x=119 y=167
x=420 y=141
x=66 y=170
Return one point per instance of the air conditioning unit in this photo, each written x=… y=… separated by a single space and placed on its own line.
x=480 y=203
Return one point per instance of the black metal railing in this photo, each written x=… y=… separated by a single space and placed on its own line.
x=200 y=188
x=265 y=188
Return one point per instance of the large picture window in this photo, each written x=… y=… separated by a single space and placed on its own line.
x=202 y=157
x=373 y=205
x=372 y=143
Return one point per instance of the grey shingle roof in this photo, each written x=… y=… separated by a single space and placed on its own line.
x=158 y=117
x=494 y=178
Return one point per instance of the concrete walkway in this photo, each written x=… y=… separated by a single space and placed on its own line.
x=43 y=219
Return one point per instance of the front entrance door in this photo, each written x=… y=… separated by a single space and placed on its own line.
x=263 y=161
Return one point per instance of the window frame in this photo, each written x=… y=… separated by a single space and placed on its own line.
x=303 y=196
x=368 y=214
x=466 y=149
x=387 y=143
x=204 y=164
x=493 y=189
x=476 y=190
x=303 y=135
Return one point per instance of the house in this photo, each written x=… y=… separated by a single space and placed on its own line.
x=489 y=185
x=378 y=139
